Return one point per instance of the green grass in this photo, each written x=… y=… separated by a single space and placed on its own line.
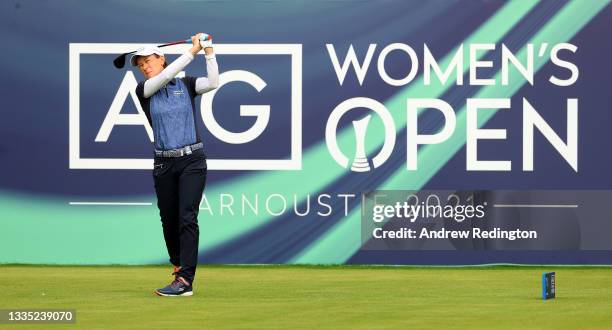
x=315 y=297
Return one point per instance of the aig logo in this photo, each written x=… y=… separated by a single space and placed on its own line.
x=92 y=135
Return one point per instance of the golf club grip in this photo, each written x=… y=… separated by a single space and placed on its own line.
x=206 y=37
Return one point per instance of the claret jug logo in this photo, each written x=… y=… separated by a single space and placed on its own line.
x=360 y=161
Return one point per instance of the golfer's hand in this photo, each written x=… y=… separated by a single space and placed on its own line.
x=195 y=41
x=207 y=45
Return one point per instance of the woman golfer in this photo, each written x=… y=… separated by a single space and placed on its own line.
x=179 y=170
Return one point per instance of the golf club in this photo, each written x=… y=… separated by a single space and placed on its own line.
x=119 y=62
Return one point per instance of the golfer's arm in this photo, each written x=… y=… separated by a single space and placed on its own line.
x=206 y=84
x=152 y=85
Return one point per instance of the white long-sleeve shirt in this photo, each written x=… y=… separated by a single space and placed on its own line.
x=203 y=84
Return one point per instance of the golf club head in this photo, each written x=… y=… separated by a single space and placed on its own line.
x=119 y=62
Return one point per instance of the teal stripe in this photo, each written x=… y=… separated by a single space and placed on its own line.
x=343 y=240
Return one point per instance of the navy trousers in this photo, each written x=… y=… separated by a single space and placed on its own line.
x=179 y=185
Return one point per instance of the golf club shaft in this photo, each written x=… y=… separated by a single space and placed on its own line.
x=178 y=42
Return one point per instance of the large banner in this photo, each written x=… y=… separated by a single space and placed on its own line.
x=400 y=132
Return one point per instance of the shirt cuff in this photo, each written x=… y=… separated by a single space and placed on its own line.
x=209 y=57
